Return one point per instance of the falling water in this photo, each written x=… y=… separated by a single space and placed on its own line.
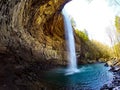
x=72 y=66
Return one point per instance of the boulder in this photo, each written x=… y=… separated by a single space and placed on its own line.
x=116 y=88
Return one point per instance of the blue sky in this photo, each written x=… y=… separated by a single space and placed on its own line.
x=97 y=17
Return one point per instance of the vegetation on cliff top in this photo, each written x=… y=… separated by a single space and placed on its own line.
x=91 y=49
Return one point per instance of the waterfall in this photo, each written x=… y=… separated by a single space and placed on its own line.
x=72 y=65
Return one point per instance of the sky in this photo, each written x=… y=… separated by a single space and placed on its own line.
x=96 y=16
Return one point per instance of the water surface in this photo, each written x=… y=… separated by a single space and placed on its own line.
x=90 y=77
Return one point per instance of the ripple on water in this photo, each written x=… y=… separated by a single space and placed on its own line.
x=92 y=76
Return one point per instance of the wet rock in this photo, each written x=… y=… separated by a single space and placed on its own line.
x=116 y=88
x=115 y=84
x=113 y=62
x=110 y=63
x=118 y=64
x=106 y=65
x=105 y=87
x=111 y=86
x=114 y=68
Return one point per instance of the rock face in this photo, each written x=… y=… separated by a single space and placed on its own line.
x=33 y=29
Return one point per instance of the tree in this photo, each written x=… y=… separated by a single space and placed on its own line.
x=117 y=23
x=117 y=44
x=117 y=49
x=82 y=34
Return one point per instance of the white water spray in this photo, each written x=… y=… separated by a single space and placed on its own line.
x=72 y=66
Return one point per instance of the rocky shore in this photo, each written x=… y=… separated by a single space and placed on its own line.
x=115 y=84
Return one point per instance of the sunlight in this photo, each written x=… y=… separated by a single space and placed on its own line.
x=95 y=17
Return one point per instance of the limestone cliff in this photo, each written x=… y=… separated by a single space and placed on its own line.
x=33 y=29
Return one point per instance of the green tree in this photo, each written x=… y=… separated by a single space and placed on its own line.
x=117 y=23
x=82 y=34
x=117 y=44
x=117 y=49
